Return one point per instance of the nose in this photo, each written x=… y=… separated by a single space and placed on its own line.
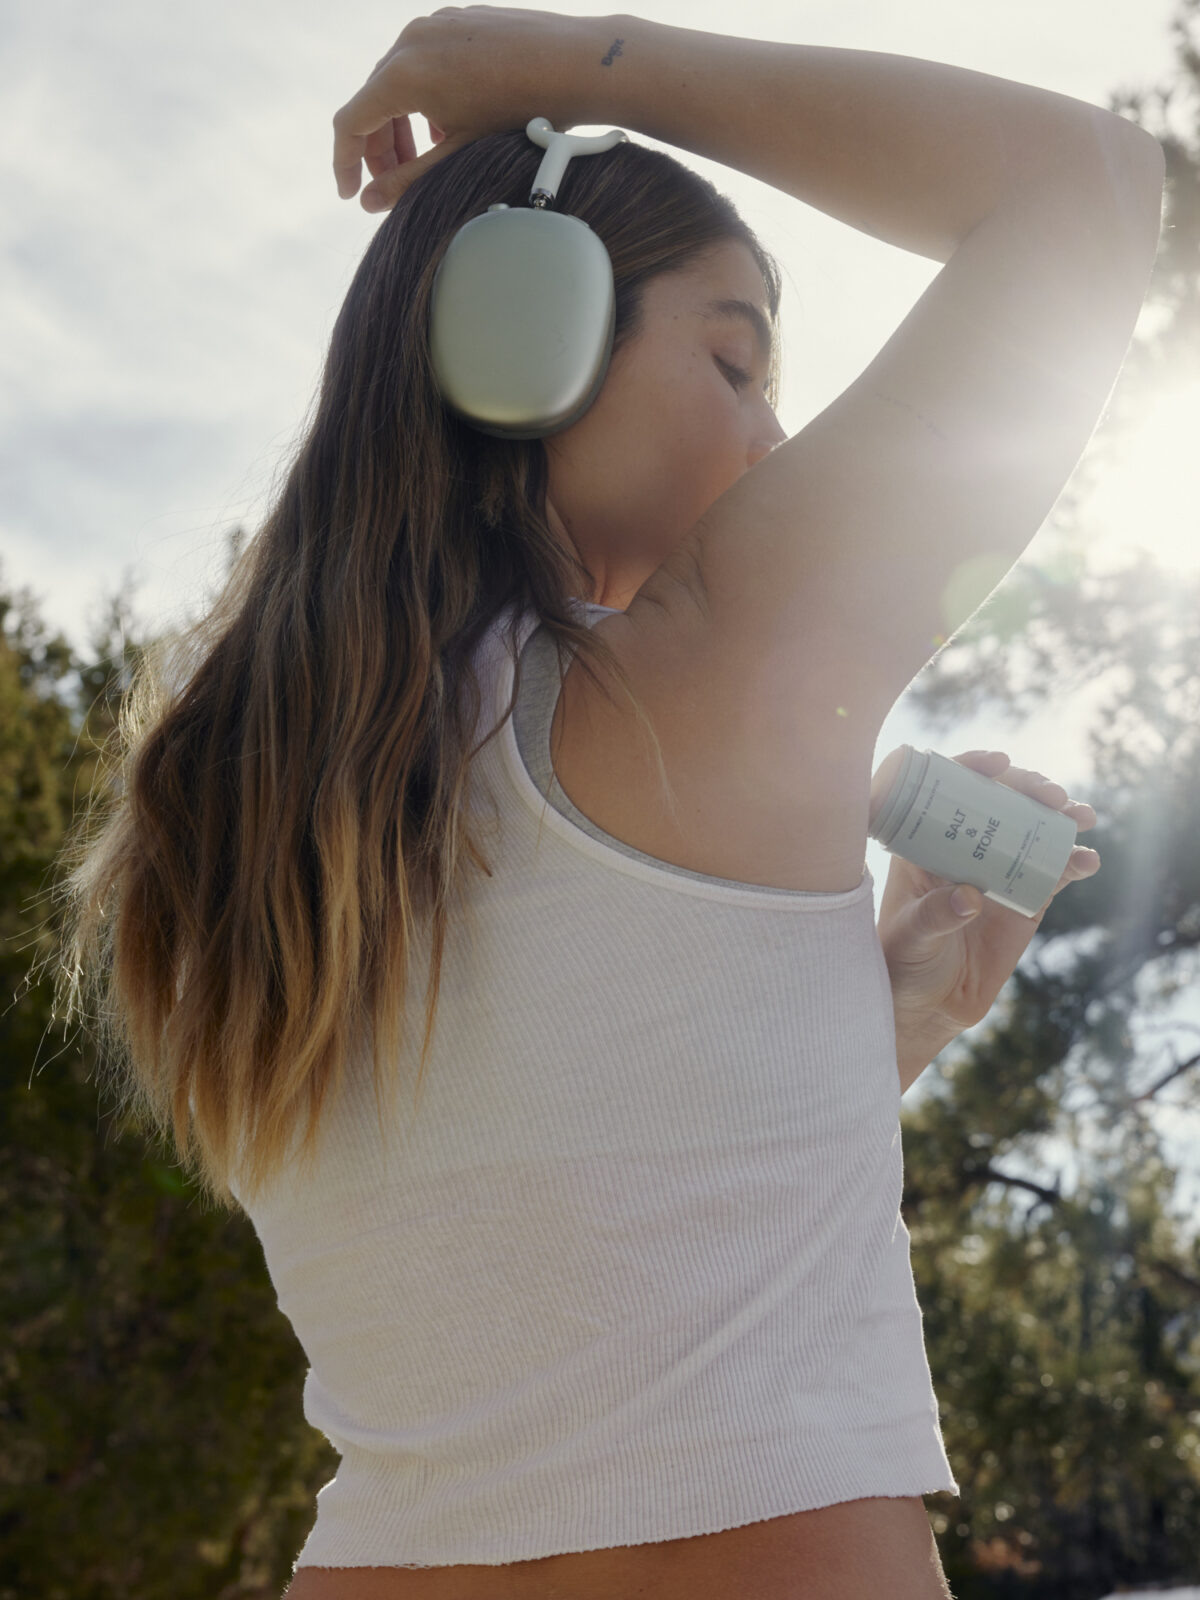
x=763 y=446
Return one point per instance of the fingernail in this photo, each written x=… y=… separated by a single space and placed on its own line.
x=962 y=904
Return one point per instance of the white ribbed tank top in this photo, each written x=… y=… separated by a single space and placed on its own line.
x=636 y=1269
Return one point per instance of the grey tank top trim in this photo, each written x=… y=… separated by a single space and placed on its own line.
x=532 y=715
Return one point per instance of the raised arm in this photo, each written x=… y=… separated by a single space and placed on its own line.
x=915 y=153
x=831 y=574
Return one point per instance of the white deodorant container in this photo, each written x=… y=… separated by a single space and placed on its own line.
x=970 y=829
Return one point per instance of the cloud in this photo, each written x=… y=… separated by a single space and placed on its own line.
x=173 y=253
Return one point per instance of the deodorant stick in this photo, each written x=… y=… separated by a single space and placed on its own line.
x=958 y=824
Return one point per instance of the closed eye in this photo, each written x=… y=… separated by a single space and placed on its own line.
x=738 y=379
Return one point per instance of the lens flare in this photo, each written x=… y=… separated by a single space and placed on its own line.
x=1146 y=499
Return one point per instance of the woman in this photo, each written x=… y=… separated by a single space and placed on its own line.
x=625 y=1306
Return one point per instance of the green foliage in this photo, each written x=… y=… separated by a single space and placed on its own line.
x=150 y=1390
x=1063 y=1334
x=1062 y=1316
x=152 y=1444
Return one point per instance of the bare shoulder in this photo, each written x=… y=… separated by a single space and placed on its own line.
x=771 y=646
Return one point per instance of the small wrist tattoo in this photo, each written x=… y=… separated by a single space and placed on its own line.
x=614 y=49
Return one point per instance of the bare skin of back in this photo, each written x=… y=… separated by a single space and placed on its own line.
x=857 y=1550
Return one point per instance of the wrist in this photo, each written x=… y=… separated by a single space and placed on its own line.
x=918 y=1041
x=599 y=80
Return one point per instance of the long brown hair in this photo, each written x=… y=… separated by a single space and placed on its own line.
x=284 y=798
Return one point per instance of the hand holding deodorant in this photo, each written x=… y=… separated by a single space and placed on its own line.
x=966 y=828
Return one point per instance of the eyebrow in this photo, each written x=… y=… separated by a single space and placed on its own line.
x=731 y=310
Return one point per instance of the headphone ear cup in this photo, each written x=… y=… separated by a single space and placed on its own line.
x=522 y=314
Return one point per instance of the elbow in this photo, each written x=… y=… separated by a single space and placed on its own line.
x=1150 y=151
x=1129 y=153
x=1129 y=190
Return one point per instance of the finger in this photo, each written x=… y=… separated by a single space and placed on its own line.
x=390 y=147
x=380 y=149
x=993 y=763
x=1048 y=793
x=1037 y=785
x=383 y=194
x=992 y=760
x=372 y=108
x=406 y=144
x=1082 y=863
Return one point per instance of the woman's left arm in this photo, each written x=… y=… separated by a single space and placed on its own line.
x=946 y=970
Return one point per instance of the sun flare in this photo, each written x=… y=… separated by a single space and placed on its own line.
x=1149 y=498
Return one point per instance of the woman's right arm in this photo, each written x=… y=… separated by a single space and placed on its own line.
x=830 y=574
x=915 y=153
x=821 y=582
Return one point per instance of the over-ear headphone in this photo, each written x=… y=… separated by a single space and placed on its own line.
x=522 y=307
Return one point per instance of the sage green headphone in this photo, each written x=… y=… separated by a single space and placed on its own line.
x=522 y=307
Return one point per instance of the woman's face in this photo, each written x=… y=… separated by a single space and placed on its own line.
x=672 y=428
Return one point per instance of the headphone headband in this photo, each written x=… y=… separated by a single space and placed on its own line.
x=559 y=148
x=523 y=306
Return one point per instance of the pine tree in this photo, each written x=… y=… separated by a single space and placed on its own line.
x=152 y=1444
x=1062 y=1317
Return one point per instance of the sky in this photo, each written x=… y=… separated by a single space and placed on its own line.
x=173 y=255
